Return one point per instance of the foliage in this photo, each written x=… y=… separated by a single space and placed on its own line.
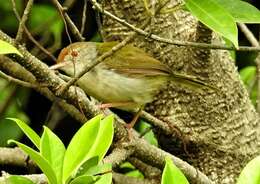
x=6 y=48
x=248 y=76
x=171 y=174
x=80 y=163
x=13 y=100
x=251 y=172
x=222 y=15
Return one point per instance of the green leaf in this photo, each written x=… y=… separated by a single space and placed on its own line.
x=79 y=147
x=53 y=150
x=248 y=74
x=99 y=169
x=30 y=133
x=7 y=48
x=87 y=165
x=171 y=174
x=103 y=139
x=39 y=160
x=251 y=172
x=105 y=179
x=84 y=179
x=215 y=17
x=141 y=127
x=241 y=10
x=14 y=179
x=102 y=168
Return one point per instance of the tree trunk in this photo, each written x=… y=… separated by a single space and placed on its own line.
x=221 y=126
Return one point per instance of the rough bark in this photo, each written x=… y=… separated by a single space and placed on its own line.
x=221 y=126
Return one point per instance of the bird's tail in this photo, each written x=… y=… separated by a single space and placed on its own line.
x=187 y=81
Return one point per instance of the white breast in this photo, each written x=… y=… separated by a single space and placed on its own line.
x=110 y=87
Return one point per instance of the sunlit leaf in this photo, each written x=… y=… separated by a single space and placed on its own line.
x=79 y=147
x=104 y=171
x=7 y=48
x=85 y=179
x=39 y=160
x=53 y=150
x=30 y=133
x=241 y=10
x=248 y=74
x=14 y=179
x=87 y=165
x=251 y=173
x=103 y=139
x=171 y=174
x=215 y=17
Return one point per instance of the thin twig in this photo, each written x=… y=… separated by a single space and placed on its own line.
x=252 y=39
x=249 y=35
x=13 y=69
x=45 y=51
x=60 y=10
x=169 y=41
x=73 y=28
x=66 y=19
x=148 y=171
x=24 y=18
x=17 y=81
x=27 y=32
x=84 y=17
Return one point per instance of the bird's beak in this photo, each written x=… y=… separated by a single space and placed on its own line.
x=59 y=65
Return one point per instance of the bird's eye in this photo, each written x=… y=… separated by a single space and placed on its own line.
x=74 y=53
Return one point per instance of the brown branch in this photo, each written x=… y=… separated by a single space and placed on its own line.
x=15 y=70
x=251 y=38
x=166 y=40
x=249 y=35
x=17 y=81
x=120 y=178
x=155 y=157
x=14 y=157
x=148 y=171
x=30 y=35
x=45 y=51
x=83 y=20
x=23 y=20
x=117 y=156
x=66 y=19
x=164 y=127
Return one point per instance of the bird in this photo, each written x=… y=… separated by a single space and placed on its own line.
x=128 y=79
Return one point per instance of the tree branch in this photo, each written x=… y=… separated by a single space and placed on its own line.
x=23 y=20
x=166 y=40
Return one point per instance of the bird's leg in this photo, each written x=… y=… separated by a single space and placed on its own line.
x=134 y=120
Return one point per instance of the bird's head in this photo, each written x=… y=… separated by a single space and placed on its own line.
x=75 y=56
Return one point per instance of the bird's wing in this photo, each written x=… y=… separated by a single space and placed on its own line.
x=131 y=60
